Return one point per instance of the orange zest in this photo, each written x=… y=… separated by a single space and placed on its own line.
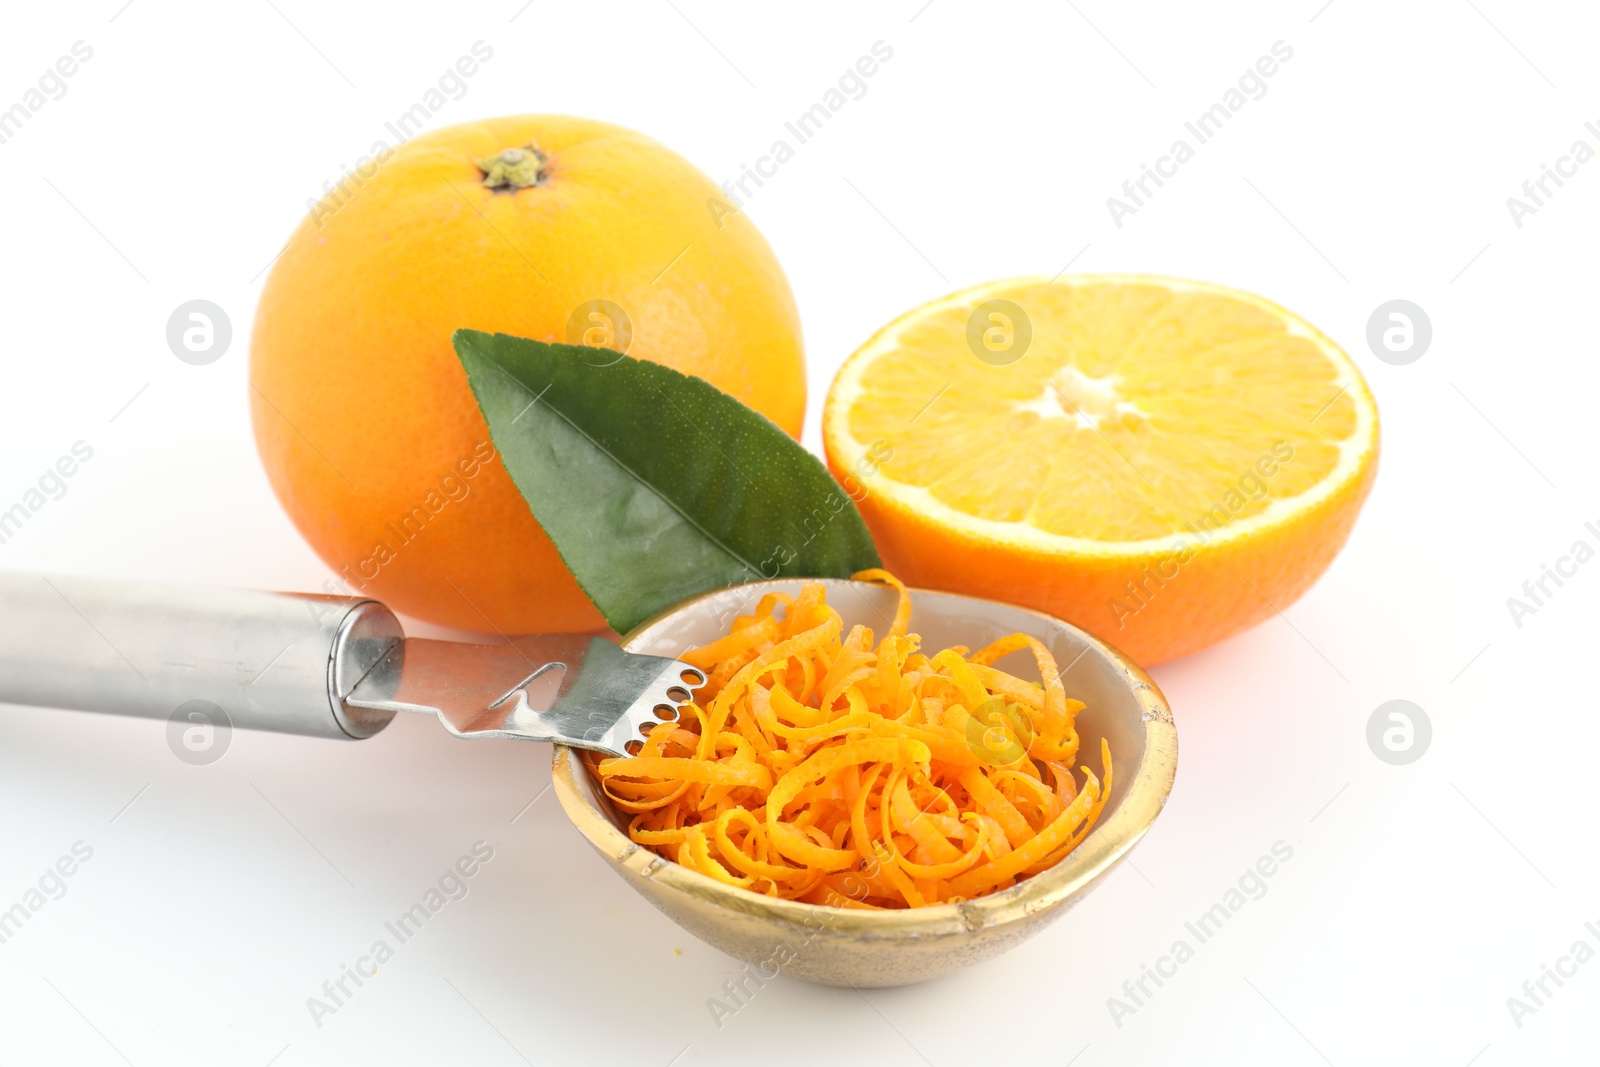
x=820 y=767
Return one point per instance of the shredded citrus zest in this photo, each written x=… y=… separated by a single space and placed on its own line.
x=817 y=766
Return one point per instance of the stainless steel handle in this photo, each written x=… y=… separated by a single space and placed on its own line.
x=271 y=661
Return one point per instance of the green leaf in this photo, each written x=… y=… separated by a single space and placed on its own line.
x=655 y=485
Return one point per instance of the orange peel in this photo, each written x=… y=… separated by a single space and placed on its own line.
x=819 y=766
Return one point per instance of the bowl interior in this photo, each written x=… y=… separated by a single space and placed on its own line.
x=1122 y=705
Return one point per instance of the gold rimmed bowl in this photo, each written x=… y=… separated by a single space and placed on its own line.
x=851 y=947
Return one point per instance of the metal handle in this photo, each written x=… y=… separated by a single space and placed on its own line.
x=271 y=661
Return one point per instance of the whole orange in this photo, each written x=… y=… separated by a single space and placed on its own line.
x=550 y=227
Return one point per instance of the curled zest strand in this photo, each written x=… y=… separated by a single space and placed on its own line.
x=819 y=766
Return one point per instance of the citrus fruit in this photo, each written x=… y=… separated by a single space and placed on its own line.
x=554 y=228
x=1162 y=463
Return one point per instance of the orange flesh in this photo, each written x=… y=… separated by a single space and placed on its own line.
x=1130 y=414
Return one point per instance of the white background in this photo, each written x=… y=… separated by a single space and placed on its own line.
x=1377 y=167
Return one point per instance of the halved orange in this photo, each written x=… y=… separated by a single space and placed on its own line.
x=1161 y=462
